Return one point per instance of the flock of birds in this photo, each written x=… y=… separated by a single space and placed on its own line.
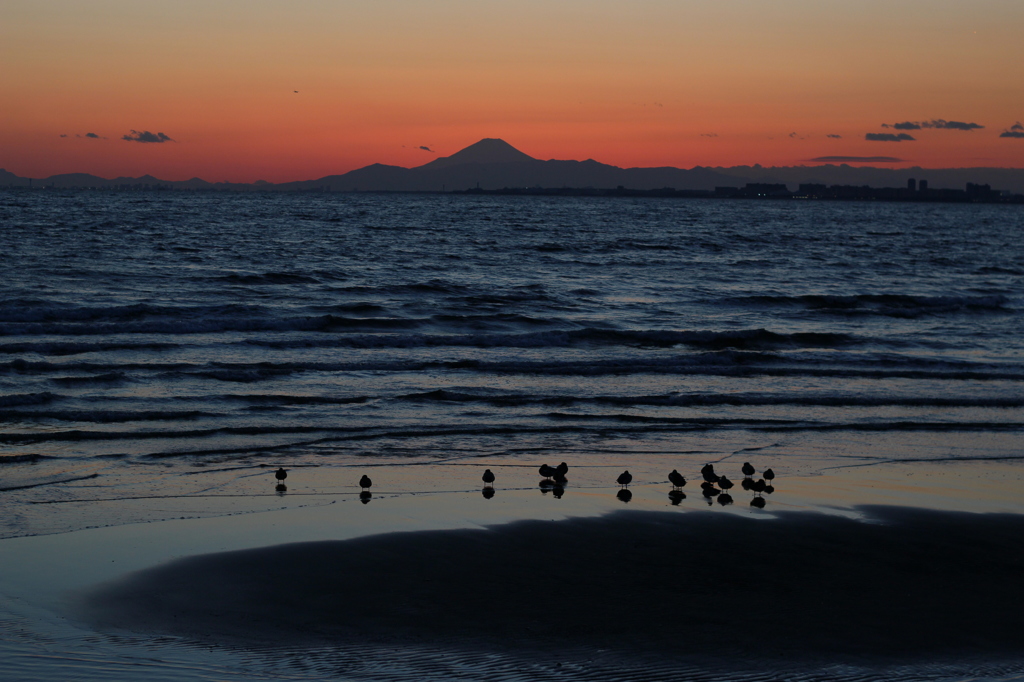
x=555 y=479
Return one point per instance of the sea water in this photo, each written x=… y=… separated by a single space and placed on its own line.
x=159 y=351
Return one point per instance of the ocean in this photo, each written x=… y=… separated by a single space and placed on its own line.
x=159 y=351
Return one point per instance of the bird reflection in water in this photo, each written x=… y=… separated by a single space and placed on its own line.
x=546 y=485
x=758 y=502
x=558 y=490
x=724 y=499
x=624 y=495
x=281 y=488
x=676 y=496
x=488 y=493
x=365 y=497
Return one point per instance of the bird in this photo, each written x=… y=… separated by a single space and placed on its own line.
x=280 y=474
x=769 y=475
x=724 y=483
x=488 y=477
x=624 y=478
x=562 y=469
x=546 y=471
x=759 y=485
x=748 y=469
x=365 y=481
x=708 y=472
x=676 y=479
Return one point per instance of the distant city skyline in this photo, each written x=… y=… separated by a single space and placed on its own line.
x=267 y=90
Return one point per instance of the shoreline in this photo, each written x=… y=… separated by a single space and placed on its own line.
x=903 y=584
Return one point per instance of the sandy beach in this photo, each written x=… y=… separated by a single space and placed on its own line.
x=899 y=584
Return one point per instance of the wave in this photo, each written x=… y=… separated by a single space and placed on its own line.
x=888 y=305
x=712 y=400
x=740 y=363
x=104 y=416
x=20 y=399
x=268 y=278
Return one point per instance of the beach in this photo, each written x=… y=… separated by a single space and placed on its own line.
x=869 y=355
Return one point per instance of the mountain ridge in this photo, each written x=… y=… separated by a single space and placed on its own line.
x=492 y=163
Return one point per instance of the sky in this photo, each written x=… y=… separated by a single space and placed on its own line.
x=243 y=90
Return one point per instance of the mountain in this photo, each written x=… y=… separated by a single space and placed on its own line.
x=486 y=151
x=495 y=164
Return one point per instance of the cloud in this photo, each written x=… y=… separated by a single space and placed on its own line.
x=64 y=135
x=146 y=136
x=709 y=134
x=888 y=137
x=792 y=134
x=1016 y=130
x=951 y=125
x=857 y=159
x=939 y=123
x=426 y=149
x=93 y=136
x=835 y=137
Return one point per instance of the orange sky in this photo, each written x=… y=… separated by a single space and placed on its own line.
x=643 y=83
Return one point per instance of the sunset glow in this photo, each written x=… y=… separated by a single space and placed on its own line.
x=647 y=83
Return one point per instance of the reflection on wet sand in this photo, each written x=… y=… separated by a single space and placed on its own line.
x=624 y=495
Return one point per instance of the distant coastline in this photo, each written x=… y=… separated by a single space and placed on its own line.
x=493 y=166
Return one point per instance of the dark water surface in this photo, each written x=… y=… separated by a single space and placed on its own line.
x=165 y=345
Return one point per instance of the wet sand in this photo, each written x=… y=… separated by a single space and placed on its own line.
x=899 y=585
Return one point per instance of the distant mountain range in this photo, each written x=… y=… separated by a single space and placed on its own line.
x=495 y=164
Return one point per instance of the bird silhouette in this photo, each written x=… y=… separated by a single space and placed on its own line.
x=365 y=482
x=676 y=479
x=280 y=474
x=769 y=475
x=724 y=483
x=759 y=485
x=546 y=471
x=748 y=469
x=624 y=478
x=708 y=472
x=562 y=469
x=488 y=477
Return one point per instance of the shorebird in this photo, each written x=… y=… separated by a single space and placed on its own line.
x=676 y=479
x=748 y=469
x=488 y=478
x=365 y=482
x=724 y=483
x=759 y=485
x=546 y=471
x=280 y=474
x=624 y=478
x=708 y=472
x=562 y=469
x=769 y=475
